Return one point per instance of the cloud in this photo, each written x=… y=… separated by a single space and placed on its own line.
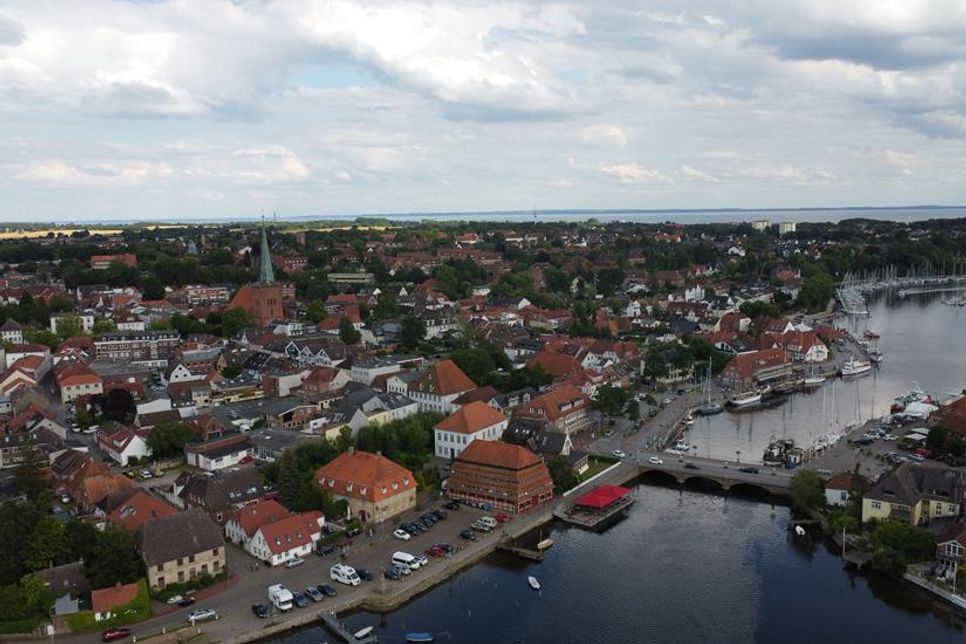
x=632 y=173
x=603 y=135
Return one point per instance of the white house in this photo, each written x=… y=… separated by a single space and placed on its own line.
x=365 y=370
x=86 y=320
x=838 y=488
x=294 y=536
x=123 y=445
x=474 y=421
x=434 y=388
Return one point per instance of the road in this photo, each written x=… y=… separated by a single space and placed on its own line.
x=233 y=604
x=729 y=473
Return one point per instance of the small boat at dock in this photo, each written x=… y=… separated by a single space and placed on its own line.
x=743 y=399
x=533 y=582
x=800 y=531
x=420 y=636
x=543 y=544
x=363 y=633
x=856 y=367
x=813 y=381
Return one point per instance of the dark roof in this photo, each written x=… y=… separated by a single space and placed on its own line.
x=69 y=578
x=179 y=535
x=911 y=482
x=223 y=490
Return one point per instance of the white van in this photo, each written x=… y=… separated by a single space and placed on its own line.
x=405 y=559
x=344 y=575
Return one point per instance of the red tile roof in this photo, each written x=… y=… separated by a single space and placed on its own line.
x=366 y=476
x=471 y=418
x=498 y=454
x=106 y=599
x=443 y=378
x=140 y=507
x=253 y=516
x=291 y=532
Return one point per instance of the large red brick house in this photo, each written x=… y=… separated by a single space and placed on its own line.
x=508 y=477
x=747 y=369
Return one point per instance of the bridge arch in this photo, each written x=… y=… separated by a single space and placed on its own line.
x=702 y=482
x=751 y=490
x=659 y=477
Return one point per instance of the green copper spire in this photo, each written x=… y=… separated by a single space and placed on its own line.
x=267 y=275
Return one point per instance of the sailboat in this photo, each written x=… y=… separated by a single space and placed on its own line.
x=708 y=407
x=812 y=380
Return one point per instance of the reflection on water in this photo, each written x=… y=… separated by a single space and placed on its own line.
x=682 y=567
x=921 y=340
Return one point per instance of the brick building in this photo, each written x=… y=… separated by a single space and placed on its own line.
x=510 y=478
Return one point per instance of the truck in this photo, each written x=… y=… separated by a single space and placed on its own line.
x=281 y=597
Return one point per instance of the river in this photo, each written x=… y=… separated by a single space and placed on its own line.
x=684 y=566
x=921 y=340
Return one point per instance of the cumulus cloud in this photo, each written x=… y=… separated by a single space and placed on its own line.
x=349 y=106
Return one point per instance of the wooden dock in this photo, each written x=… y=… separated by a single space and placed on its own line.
x=526 y=553
x=332 y=624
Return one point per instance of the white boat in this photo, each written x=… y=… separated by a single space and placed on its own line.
x=856 y=367
x=813 y=381
x=708 y=407
x=363 y=633
x=533 y=582
x=800 y=531
x=747 y=398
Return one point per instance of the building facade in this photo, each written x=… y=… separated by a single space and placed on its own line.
x=508 y=477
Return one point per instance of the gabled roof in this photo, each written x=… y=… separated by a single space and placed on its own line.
x=138 y=508
x=105 y=599
x=179 y=535
x=443 y=378
x=253 y=516
x=372 y=477
x=291 y=532
x=498 y=454
x=471 y=418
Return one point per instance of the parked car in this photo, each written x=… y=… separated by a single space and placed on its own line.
x=364 y=574
x=619 y=453
x=608 y=433
x=111 y=634
x=393 y=573
x=655 y=460
x=146 y=474
x=445 y=547
x=260 y=611
x=184 y=602
x=440 y=515
x=399 y=533
x=201 y=615
x=175 y=599
x=354 y=531
x=501 y=517
x=452 y=505
x=313 y=593
x=435 y=551
x=327 y=590
x=294 y=562
x=299 y=599
x=324 y=550
x=691 y=466
x=469 y=535
x=748 y=470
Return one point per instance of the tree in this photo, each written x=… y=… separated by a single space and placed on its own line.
x=119 y=405
x=29 y=476
x=41 y=336
x=816 y=291
x=70 y=326
x=611 y=400
x=476 y=363
x=413 y=331
x=168 y=438
x=81 y=539
x=233 y=321
x=316 y=312
x=103 y=325
x=562 y=474
x=115 y=559
x=289 y=479
x=758 y=309
x=231 y=371
x=348 y=332
x=807 y=490
x=936 y=439
x=46 y=546
x=386 y=307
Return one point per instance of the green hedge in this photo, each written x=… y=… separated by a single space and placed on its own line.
x=26 y=625
x=138 y=609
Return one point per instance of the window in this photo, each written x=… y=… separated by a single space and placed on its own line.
x=191 y=559
x=180 y=562
x=159 y=567
x=876 y=505
x=214 y=552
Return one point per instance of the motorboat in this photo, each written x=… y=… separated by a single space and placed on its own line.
x=871 y=334
x=875 y=356
x=420 y=636
x=363 y=633
x=800 y=531
x=533 y=582
x=813 y=381
x=746 y=398
x=856 y=367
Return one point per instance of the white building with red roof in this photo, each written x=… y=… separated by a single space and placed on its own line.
x=435 y=387
x=473 y=421
x=78 y=380
x=124 y=444
x=295 y=535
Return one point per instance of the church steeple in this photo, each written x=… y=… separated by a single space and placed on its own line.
x=266 y=274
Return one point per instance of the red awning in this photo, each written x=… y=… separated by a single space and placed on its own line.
x=602 y=496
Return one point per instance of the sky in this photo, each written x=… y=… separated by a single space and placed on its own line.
x=114 y=110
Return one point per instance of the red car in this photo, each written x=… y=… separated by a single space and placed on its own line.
x=500 y=517
x=436 y=551
x=112 y=634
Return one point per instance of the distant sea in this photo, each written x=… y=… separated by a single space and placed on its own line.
x=909 y=213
